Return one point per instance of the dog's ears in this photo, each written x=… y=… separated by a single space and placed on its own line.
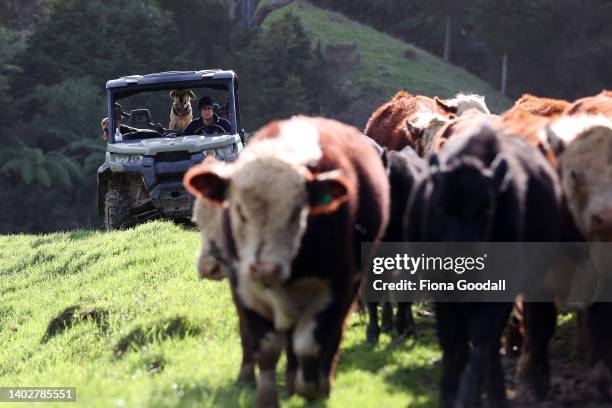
x=188 y=92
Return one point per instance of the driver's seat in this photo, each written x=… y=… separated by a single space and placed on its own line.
x=141 y=119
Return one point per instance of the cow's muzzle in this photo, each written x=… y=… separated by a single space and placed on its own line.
x=601 y=223
x=210 y=270
x=266 y=273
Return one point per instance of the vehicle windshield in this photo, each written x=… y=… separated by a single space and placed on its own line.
x=172 y=112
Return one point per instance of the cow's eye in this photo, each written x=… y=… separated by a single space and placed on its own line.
x=241 y=213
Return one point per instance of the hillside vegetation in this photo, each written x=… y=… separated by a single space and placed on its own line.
x=122 y=317
x=388 y=64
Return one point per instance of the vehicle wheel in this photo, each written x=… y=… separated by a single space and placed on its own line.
x=117 y=210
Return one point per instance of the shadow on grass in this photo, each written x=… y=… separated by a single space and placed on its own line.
x=73 y=315
x=235 y=395
x=173 y=327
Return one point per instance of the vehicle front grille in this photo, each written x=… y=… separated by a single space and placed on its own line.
x=175 y=156
x=170 y=178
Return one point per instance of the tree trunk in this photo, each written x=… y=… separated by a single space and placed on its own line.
x=504 y=74
x=447 y=38
x=260 y=14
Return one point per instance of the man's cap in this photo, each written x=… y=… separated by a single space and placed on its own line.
x=205 y=101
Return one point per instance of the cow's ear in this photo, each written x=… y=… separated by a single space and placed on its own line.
x=501 y=174
x=172 y=93
x=192 y=95
x=208 y=182
x=415 y=129
x=326 y=192
x=445 y=105
x=556 y=142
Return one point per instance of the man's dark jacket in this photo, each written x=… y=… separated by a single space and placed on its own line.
x=199 y=122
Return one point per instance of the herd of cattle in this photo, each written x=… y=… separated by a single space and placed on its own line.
x=285 y=223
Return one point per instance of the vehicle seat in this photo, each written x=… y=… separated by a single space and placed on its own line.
x=141 y=119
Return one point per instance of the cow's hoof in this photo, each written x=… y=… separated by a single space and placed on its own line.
x=536 y=377
x=310 y=391
x=246 y=377
x=407 y=333
x=386 y=327
x=290 y=382
x=372 y=336
x=266 y=398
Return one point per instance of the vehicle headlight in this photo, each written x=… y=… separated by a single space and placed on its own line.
x=126 y=158
x=223 y=152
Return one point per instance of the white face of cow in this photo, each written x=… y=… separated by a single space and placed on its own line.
x=269 y=207
x=584 y=148
x=270 y=194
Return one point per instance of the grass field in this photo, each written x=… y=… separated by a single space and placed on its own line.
x=389 y=64
x=122 y=317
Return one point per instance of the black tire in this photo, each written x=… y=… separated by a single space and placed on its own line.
x=117 y=210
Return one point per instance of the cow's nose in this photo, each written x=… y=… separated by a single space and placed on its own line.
x=602 y=219
x=268 y=273
x=210 y=270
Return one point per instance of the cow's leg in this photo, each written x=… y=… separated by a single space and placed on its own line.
x=386 y=322
x=246 y=376
x=292 y=366
x=373 y=331
x=512 y=338
x=452 y=335
x=308 y=351
x=600 y=333
x=268 y=345
x=486 y=323
x=540 y=320
x=404 y=322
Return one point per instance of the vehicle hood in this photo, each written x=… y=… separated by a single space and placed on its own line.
x=150 y=147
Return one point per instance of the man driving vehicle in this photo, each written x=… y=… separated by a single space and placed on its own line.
x=209 y=122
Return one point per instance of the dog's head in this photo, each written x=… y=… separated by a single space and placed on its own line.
x=182 y=100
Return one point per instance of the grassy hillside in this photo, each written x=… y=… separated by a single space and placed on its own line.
x=122 y=317
x=389 y=64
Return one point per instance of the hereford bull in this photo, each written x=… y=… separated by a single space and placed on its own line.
x=600 y=104
x=538 y=106
x=302 y=197
x=393 y=124
x=583 y=145
x=483 y=185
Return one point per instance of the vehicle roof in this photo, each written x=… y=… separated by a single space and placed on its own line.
x=170 y=76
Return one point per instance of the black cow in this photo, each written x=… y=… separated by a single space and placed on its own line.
x=405 y=169
x=482 y=186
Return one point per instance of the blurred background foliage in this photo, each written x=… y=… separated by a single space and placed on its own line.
x=56 y=56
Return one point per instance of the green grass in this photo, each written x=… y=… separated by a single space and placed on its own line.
x=389 y=64
x=122 y=317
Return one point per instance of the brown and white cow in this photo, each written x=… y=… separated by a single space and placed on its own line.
x=538 y=106
x=302 y=197
x=394 y=125
x=583 y=145
x=600 y=104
